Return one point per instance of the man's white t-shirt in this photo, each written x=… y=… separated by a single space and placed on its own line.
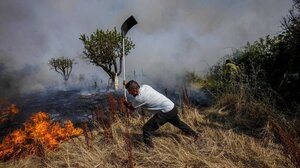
x=152 y=100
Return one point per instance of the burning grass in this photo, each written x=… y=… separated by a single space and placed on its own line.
x=218 y=147
x=116 y=141
x=39 y=133
x=7 y=111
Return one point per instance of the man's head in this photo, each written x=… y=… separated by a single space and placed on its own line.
x=132 y=87
x=228 y=61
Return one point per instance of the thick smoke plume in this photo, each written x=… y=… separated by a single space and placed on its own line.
x=172 y=36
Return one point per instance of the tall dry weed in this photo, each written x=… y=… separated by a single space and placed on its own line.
x=289 y=142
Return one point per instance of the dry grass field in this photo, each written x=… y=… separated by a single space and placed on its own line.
x=121 y=145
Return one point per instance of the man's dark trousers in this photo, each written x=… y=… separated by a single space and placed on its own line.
x=160 y=118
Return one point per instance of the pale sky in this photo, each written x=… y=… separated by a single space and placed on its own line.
x=172 y=36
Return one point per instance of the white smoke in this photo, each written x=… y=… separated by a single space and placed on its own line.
x=172 y=36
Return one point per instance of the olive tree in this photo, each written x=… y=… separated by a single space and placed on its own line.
x=63 y=66
x=104 y=49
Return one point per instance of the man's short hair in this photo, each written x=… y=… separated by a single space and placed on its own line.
x=132 y=85
x=228 y=61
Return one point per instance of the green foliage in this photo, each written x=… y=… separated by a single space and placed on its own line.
x=217 y=80
x=269 y=65
x=191 y=77
x=276 y=61
x=62 y=65
x=104 y=49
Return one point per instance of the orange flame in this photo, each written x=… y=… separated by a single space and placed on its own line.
x=38 y=130
x=7 y=110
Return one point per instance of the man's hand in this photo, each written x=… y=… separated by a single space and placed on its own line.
x=128 y=105
x=125 y=82
x=125 y=102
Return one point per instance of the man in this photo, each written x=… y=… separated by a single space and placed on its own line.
x=231 y=71
x=145 y=96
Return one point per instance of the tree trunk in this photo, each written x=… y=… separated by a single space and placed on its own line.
x=116 y=82
x=65 y=84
